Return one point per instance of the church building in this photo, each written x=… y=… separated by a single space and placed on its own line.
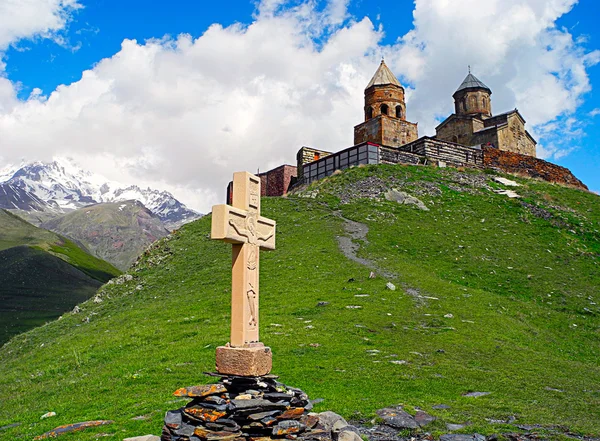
x=471 y=137
x=472 y=122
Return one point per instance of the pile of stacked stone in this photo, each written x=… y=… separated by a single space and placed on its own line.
x=245 y=408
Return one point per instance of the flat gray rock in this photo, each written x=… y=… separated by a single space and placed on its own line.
x=397 y=418
x=143 y=438
x=454 y=437
x=453 y=427
x=405 y=199
x=423 y=418
x=440 y=406
x=330 y=419
x=476 y=394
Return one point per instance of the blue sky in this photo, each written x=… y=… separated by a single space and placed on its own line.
x=256 y=80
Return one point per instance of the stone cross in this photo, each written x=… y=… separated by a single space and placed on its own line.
x=248 y=232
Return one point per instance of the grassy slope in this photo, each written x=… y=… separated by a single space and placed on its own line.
x=515 y=284
x=116 y=232
x=30 y=270
x=36 y=287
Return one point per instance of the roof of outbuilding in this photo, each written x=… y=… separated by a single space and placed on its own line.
x=383 y=76
x=471 y=82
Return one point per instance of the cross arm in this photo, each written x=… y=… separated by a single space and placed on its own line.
x=230 y=225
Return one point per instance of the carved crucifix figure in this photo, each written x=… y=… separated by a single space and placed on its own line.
x=242 y=226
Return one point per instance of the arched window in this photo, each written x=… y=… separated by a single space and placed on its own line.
x=484 y=102
x=399 y=112
x=474 y=102
x=369 y=113
x=384 y=109
x=455 y=139
x=463 y=104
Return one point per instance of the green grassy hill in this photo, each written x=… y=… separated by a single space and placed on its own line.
x=492 y=294
x=42 y=275
x=116 y=232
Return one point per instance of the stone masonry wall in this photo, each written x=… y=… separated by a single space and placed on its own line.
x=514 y=138
x=472 y=102
x=528 y=165
x=383 y=130
x=444 y=151
x=390 y=95
x=397 y=132
x=459 y=130
x=276 y=182
x=306 y=155
x=394 y=156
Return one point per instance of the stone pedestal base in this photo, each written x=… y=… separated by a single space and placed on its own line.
x=254 y=361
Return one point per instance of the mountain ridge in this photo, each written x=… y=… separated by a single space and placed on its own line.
x=47 y=189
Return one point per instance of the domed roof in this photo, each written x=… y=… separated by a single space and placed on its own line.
x=383 y=76
x=471 y=82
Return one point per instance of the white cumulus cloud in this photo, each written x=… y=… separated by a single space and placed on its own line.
x=27 y=19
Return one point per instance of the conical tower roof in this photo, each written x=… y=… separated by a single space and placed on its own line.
x=471 y=82
x=383 y=76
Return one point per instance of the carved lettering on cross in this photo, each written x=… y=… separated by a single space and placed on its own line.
x=249 y=232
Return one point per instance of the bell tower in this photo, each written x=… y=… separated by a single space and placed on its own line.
x=385 y=112
x=473 y=98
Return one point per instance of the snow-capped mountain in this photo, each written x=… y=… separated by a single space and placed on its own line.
x=61 y=186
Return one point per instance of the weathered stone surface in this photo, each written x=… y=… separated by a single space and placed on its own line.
x=204 y=414
x=173 y=419
x=184 y=430
x=261 y=415
x=315 y=435
x=440 y=406
x=293 y=414
x=309 y=420
x=200 y=391
x=72 y=428
x=453 y=427
x=348 y=435
x=255 y=361
x=209 y=435
x=277 y=396
x=454 y=437
x=257 y=403
x=405 y=199
x=538 y=168
x=397 y=418
x=423 y=418
x=288 y=427
x=268 y=421
x=476 y=394
x=329 y=419
x=143 y=438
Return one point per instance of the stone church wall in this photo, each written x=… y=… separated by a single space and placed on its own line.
x=514 y=138
x=459 y=130
x=517 y=163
